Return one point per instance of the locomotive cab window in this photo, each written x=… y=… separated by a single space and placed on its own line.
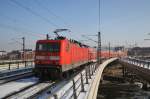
x=41 y=47
x=51 y=47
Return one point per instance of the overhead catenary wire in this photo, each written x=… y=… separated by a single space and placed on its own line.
x=52 y=13
x=99 y=15
x=39 y=15
x=19 y=28
x=85 y=36
x=34 y=13
x=15 y=41
x=70 y=27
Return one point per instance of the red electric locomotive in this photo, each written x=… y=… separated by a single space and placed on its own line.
x=53 y=57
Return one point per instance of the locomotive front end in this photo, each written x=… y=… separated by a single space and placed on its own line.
x=47 y=58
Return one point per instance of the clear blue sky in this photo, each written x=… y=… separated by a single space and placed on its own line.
x=122 y=21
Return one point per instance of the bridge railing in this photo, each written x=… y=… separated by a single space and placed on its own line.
x=84 y=85
x=8 y=65
x=137 y=62
x=77 y=85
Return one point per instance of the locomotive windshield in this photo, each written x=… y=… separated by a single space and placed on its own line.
x=51 y=47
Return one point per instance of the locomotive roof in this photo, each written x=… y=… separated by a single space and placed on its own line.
x=64 y=38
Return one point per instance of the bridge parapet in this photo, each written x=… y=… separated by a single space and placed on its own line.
x=137 y=62
x=92 y=92
x=84 y=85
x=139 y=67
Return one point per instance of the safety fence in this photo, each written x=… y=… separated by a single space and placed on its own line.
x=137 y=62
x=77 y=85
x=84 y=85
x=8 y=65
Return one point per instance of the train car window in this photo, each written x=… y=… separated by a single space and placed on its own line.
x=57 y=47
x=49 y=47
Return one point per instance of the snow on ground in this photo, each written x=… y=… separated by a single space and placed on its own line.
x=53 y=89
x=6 y=73
x=31 y=91
x=16 y=85
x=65 y=90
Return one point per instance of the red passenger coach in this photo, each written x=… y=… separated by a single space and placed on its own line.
x=60 y=55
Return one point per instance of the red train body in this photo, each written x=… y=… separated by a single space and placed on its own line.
x=61 y=55
x=111 y=54
x=54 y=57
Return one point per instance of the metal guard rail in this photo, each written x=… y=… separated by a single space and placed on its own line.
x=92 y=94
x=137 y=62
x=76 y=85
x=18 y=63
x=79 y=83
x=15 y=61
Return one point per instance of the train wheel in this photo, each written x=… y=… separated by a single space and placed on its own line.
x=40 y=75
x=66 y=75
x=60 y=75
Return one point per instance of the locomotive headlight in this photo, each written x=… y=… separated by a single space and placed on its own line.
x=47 y=57
x=40 y=57
x=54 y=57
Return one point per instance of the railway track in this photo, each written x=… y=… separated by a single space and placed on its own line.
x=47 y=91
x=13 y=87
x=16 y=92
x=6 y=79
x=36 y=89
x=29 y=91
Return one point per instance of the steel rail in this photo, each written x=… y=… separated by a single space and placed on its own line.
x=21 y=90
x=7 y=79
x=33 y=90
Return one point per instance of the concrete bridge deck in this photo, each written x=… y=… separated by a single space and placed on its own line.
x=92 y=94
